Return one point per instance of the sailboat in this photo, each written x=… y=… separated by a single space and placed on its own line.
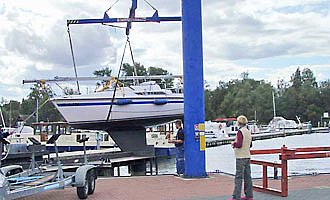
x=130 y=106
x=279 y=123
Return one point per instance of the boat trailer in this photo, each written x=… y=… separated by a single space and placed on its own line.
x=16 y=182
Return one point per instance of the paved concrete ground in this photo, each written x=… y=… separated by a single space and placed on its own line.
x=217 y=186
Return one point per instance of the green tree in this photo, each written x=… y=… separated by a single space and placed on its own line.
x=308 y=78
x=296 y=79
x=104 y=72
x=302 y=98
x=324 y=92
x=128 y=70
x=39 y=98
x=11 y=111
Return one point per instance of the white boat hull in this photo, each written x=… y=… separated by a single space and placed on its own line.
x=93 y=113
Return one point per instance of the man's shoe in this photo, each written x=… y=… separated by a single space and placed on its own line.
x=246 y=198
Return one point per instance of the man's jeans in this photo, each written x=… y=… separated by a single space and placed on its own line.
x=243 y=170
x=180 y=159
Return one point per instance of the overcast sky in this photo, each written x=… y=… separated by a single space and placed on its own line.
x=267 y=39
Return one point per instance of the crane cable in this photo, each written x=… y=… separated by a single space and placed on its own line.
x=150 y=5
x=73 y=60
x=114 y=92
x=134 y=66
x=111 y=6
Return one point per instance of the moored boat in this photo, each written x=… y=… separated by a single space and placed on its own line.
x=68 y=141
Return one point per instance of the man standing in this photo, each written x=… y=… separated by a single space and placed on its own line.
x=179 y=145
x=242 y=145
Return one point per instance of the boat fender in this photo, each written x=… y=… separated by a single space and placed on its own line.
x=220 y=126
x=160 y=101
x=123 y=101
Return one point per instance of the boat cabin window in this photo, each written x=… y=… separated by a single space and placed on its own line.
x=78 y=136
x=100 y=137
x=14 y=171
x=50 y=128
x=106 y=137
x=162 y=129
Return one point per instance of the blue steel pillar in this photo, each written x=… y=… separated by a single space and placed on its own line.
x=193 y=88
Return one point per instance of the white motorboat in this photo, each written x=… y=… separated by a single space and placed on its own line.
x=215 y=130
x=67 y=142
x=280 y=123
x=229 y=126
x=132 y=106
x=158 y=137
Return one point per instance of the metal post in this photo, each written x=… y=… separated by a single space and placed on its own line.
x=59 y=165
x=37 y=111
x=274 y=107
x=1 y=150
x=156 y=165
x=194 y=113
x=98 y=146
x=85 y=156
x=33 y=162
x=10 y=113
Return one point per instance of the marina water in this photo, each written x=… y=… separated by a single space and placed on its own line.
x=222 y=159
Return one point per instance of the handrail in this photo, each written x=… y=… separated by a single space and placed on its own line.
x=285 y=154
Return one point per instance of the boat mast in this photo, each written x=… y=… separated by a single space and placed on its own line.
x=37 y=111
x=3 y=120
x=274 y=109
x=10 y=113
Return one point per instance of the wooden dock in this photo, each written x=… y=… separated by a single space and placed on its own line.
x=264 y=136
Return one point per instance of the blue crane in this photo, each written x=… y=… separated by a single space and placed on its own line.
x=131 y=18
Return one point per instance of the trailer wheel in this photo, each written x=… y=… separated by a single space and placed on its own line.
x=91 y=182
x=82 y=192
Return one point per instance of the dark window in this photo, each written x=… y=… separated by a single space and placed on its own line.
x=106 y=137
x=78 y=137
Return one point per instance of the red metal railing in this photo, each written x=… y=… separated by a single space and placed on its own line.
x=285 y=155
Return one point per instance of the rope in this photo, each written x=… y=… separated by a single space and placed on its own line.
x=114 y=92
x=112 y=6
x=150 y=5
x=134 y=66
x=73 y=60
x=36 y=110
x=114 y=26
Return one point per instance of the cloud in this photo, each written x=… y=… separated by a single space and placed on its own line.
x=264 y=32
x=268 y=39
